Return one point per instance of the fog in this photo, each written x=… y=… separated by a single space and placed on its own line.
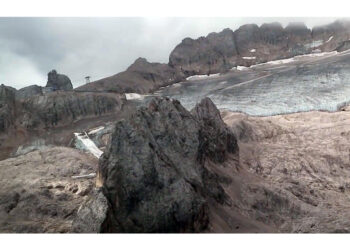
x=100 y=47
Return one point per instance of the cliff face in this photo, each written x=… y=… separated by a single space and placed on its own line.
x=7 y=107
x=63 y=108
x=206 y=54
x=251 y=44
x=141 y=77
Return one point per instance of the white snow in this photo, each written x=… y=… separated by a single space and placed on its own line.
x=133 y=96
x=253 y=50
x=95 y=130
x=240 y=68
x=199 y=77
x=91 y=175
x=88 y=144
x=249 y=57
x=329 y=39
x=296 y=58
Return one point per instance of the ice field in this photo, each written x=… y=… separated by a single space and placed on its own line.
x=311 y=82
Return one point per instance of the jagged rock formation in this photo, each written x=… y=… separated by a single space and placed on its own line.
x=154 y=172
x=58 y=81
x=38 y=193
x=7 y=107
x=211 y=54
x=140 y=77
x=29 y=91
x=251 y=44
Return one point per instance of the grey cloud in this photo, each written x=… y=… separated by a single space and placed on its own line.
x=100 y=47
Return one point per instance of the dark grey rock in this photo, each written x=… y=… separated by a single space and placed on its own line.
x=141 y=77
x=7 y=107
x=29 y=91
x=154 y=172
x=91 y=214
x=63 y=108
x=58 y=81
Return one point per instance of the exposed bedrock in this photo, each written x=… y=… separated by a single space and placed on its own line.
x=57 y=81
x=141 y=77
x=7 y=107
x=63 y=108
x=154 y=172
x=251 y=44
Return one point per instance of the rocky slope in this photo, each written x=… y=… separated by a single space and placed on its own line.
x=38 y=193
x=170 y=170
x=298 y=169
x=141 y=77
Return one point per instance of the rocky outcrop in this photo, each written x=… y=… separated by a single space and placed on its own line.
x=58 y=81
x=154 y=172
x=141 y=77
x=63 y=108
x=29 y=91
x=216 y=140
x=205 y=55
x=7 y=107
x=344 y=46
x=251 y=44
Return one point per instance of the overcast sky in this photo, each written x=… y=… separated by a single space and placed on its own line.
x=99 y=47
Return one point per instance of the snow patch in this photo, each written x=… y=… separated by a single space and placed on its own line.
x=240 y=68
x=199 y=77
x=253 y=50
x=88 y=144
x=329 y=39
x=249 y=57
x=95 y=130
x=133 y=96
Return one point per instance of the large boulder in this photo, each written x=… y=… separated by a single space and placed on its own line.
x=154 y=172
x=58 y=81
